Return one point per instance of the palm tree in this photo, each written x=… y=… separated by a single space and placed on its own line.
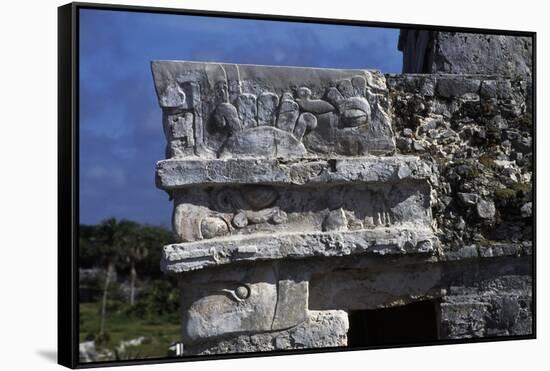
x=106 y=232
x=137 y=251
x=114 y=236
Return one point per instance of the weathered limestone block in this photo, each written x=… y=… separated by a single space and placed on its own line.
x=463 y=320
x=293 y=206
x=231 y=301
x=343 y=112
x=465 y=53
x=488 y=297
x=185 y=257
x=176 y=173
x=277 y=171
x=472 y=316
x=382 y=285
x=241 y=210
x=322 y=329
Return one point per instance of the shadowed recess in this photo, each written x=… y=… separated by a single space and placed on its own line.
x=414 y=323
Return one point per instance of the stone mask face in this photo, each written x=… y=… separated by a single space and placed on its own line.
x=238 y=303
x=251 y=300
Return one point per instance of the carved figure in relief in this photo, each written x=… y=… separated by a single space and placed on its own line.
x=269 y=126
x=213 y=227
x=259 y=299
x=239 y=112
x=268 y=104
x=239 y=119
x=288 y=113
x=173 y=96
x=225 y=115
x=250 y=205
x=272 y=215
x=349 y=96
x=232 y=210
x=308 y=104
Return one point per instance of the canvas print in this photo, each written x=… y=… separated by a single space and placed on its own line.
x=255 y=185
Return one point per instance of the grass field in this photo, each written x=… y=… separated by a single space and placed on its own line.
x=160 y=332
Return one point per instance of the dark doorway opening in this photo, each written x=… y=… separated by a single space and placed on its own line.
x=408 y=324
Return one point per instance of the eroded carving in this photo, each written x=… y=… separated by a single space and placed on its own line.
x=272 y=215
x=182 y=127
x=246 y=104
x=308 y=104
x=335 y=221
x=259 y=176
x=213 y=227
x=234 y=211
x=288 y=114
x=249 y=113
x=256 y=300
x=173 y=96
x=306 y=122
x=259 y=197
x=268 y=104
x=348 y=96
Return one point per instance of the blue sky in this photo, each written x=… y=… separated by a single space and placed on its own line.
x=121 y=134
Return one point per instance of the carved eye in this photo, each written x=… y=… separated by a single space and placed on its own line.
x=239 y=293
x=242 y=292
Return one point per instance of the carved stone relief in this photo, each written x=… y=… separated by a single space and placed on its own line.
x=264 y=298
x=274 y=171
x=241 y=110
x=225 y=211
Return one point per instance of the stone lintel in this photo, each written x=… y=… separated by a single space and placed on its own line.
x=175 y=173
x=184 y=257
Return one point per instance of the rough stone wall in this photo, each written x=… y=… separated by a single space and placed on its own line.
x=465 y=53
x=473 y=117
x=477 y=131
x=493 y=299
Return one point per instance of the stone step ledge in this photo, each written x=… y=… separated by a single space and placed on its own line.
x=178 y=173
x=190 y=256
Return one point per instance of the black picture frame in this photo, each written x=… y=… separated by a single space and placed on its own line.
x=68 y=174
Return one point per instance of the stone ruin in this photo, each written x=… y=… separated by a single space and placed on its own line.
x=312 y=205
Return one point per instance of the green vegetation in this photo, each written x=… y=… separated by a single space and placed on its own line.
x=521 y=187
x=525 y=121
x=487 y=160
x=159 y=332
x=513 y=191
x=124 y=295
x=505 y=194
x=472 y=173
